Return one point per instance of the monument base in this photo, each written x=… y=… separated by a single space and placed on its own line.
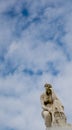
x=66 y=127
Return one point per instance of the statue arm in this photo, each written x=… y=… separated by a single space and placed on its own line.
x=42 y=103
x=46 y=108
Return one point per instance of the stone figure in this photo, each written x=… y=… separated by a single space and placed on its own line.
x=53 y=110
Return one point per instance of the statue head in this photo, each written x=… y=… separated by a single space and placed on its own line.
x=48 y=88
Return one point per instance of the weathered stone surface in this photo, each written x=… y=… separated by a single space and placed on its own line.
x=52 y=109
x=59 y=128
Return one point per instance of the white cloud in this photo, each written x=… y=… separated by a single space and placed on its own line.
x=34 y=47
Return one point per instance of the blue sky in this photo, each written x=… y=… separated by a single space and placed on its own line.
x=35 y=48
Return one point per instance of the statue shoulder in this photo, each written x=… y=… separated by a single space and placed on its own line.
x=54 y=96
x=42 y=96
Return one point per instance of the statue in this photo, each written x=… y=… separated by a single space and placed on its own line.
x=53 y=110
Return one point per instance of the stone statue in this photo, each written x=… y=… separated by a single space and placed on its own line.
x=53 y=110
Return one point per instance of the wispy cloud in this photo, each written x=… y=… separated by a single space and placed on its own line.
x=35 y=47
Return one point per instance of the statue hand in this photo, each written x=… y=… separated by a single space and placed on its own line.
x=49 y=110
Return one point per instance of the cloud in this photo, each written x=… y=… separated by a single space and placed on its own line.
x=35 y=48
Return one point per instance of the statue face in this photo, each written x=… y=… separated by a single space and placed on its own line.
x=48 y=88
x=48 y=91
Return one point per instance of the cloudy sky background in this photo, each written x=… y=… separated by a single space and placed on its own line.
x=35 y=48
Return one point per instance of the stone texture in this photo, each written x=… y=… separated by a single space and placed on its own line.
x=52 y=109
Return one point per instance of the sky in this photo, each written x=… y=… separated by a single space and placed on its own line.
x=35 y=48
